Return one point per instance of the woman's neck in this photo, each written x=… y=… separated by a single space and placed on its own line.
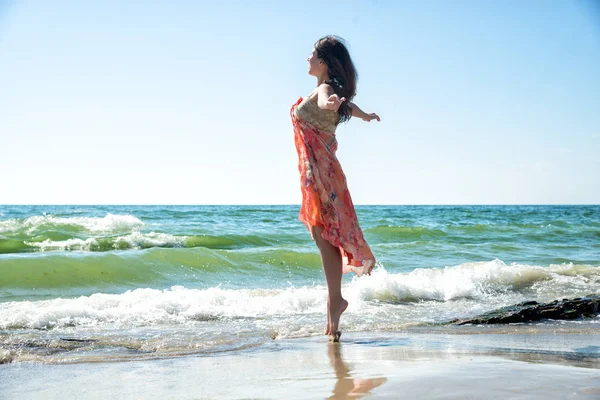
x=322 y=78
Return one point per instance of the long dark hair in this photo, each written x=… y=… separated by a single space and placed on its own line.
x=341 y=70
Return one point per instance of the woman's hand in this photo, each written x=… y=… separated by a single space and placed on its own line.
x=358 y=113
x=334 y=102
x=371 y=116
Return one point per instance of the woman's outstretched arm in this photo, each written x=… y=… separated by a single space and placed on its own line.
x=357 y=112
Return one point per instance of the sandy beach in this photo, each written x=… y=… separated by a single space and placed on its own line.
x=510 y=362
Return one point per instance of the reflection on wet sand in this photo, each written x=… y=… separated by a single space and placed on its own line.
x=346 y=386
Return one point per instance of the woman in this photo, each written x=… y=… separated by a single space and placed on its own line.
x=327 y=209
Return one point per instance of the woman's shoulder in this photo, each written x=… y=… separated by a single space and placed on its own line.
x=324 y=89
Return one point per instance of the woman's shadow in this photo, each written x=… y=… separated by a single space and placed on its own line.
x=347 y=387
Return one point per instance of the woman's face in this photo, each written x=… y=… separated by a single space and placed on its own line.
x=315 y=64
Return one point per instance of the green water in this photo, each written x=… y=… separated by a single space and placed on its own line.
x=58 y=250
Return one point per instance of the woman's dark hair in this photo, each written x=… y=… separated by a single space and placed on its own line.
x=341 y=70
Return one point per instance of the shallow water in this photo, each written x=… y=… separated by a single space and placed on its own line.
x=515 y=365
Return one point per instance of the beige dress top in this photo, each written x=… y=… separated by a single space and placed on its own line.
x=309 y=111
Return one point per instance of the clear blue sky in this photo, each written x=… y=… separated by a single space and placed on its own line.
x=187 y=102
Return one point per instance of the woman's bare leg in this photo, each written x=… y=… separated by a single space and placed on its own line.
x=332 y=266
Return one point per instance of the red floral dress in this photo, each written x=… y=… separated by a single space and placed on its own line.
x=326 y=200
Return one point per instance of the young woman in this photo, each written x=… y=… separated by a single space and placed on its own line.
x=327 y=209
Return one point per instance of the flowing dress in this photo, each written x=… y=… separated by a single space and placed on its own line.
x=326 y=200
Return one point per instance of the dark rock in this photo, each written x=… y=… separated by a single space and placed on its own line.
x=528 y=303
x=580 y=307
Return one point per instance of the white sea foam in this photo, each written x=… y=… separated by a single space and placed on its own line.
x=135 y=240
x=143 y=307
x=458 y=291
x=70 y=244
x=6 y=356
x=108 y=223
x=477 y=280
x=473 y=280
x=153 y=239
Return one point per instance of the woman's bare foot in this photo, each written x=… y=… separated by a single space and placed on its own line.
x=328 y=327
x=335 y=312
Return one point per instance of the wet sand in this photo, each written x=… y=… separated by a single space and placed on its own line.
x=495 y=363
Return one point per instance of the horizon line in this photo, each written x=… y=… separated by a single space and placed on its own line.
x=298 y=204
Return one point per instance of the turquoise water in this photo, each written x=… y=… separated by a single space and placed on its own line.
x=163 y=277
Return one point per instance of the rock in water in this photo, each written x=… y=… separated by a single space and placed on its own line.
x=581 y=307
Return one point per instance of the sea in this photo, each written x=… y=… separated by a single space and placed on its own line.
x=114 y=283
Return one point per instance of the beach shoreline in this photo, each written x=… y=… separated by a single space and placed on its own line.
x=506 y=362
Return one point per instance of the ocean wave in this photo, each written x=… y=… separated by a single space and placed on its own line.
x=483 y=283
x=154 y=267
x=69 y=244
x=146 y=307
x=135 y=240
x=451 y=231
x=478 y=280
x=138 y=240
x=108 y=223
